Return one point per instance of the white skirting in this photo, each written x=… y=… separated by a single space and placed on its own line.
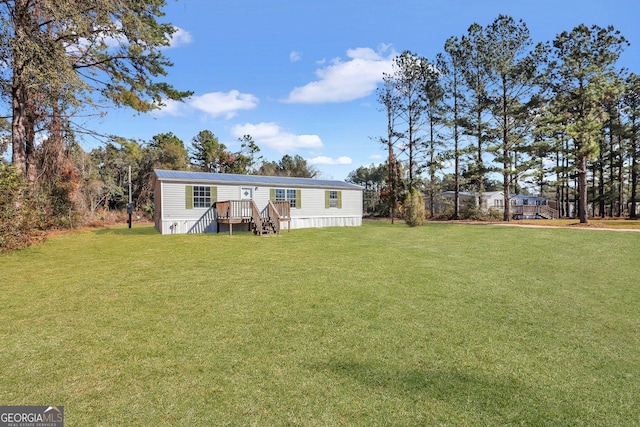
x=208 y=224
x=319 y=222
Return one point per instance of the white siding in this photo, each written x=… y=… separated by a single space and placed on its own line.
x=490 y=202
x=157 y=201
x=176 y=218
x=314 y=213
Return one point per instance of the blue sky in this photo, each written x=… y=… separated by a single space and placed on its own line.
x=300 y=76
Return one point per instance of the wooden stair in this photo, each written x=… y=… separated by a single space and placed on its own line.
x=548 y=212
x=542 y=211
x=246 y=212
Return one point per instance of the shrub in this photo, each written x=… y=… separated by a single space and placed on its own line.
x=446 y=211
x=414 y=211
x=20 y=217
x=58 y=195
x=495 y=215
x=469 y=210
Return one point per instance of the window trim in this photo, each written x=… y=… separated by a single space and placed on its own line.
x=200 y=196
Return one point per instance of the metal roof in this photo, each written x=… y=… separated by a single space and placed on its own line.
x=228 y=178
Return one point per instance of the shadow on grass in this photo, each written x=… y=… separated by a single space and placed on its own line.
x=502 y=400
x=140 y=230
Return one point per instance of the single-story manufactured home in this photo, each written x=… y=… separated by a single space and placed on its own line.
x=196 y=202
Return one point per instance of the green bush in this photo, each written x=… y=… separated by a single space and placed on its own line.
x=469 y=210
x=495 y=215
x=20 y=218
x=414 y=211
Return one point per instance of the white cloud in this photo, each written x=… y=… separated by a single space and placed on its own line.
x=224 y=104
x=295 y=56
x=272 y=136
x=214 y=104
x=170 y=108
x=324 y=160
x=179 y=38
x=345 y=81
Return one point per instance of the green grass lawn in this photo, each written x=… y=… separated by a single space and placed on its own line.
x=445 y=324
x=620 y=223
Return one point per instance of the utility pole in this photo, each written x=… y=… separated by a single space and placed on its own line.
x=130 y=204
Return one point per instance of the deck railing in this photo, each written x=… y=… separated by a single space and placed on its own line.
x=278 y=211
x=246 y=211
x=283 y=208
x=256 y=218
x=549 y=212
x=234 y=209
x=533 y=210
x=274 y=216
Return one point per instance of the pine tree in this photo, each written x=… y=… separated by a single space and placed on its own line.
x=62 y=54
x=474 y=50
x=512 y=68
x=450 y=66
x=631 y=105
x=580 y=74
x=411 y=75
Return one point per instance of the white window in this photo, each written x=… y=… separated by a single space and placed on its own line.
x=291 y=197
x=287 y=195
x=201 y=196
x=333 y=199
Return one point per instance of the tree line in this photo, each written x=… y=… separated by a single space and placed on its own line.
x=103 y=178
x=558 y=118
x=84 y=186
x=64 y=61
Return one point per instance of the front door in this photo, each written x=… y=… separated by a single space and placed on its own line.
x=246 y=193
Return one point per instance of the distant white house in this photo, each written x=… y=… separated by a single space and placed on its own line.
x=196 y=202
x=490 y=199
x=520 y=206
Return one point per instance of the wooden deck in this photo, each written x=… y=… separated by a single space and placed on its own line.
x=542 y=211
x=267 y=221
